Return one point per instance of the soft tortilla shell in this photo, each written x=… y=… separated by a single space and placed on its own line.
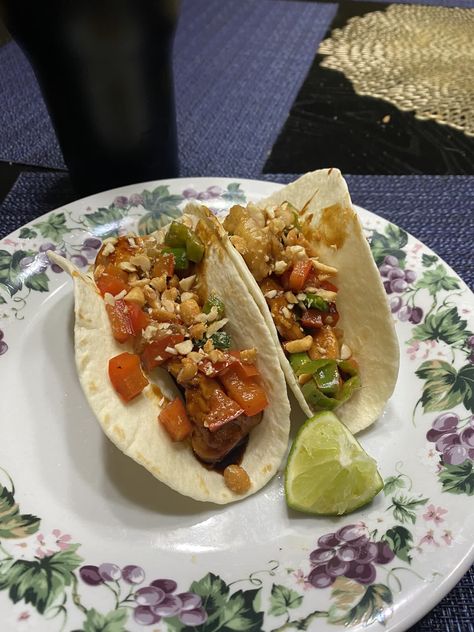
x=134 y=428
x=362 y=304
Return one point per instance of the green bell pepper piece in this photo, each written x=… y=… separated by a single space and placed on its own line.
x=316 y=399
x=349 y=367
x=311 y=366
x=180 y=236
x=194 y=247
x=297 y=360
x=214 y=301
x=313 y=301
x=177 y=235
x=327 y=378
x=181 y=261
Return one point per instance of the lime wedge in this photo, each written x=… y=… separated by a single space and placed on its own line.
x=328 y=472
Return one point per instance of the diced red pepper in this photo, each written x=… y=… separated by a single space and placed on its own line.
x=245 y=391
x=163 y=264
x=126 y=375
x=312 y=319
x=139 y=319
x=175 y=420
x=211 y=369
x=312 y=280
x=113 y=280
x=299 y=274
x=154 y=353
x=222 y=409
x=327 y=285
x=244 y=369
x=119 y=317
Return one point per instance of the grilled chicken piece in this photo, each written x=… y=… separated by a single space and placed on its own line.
x=213 y=446
x=257 y=243
x=284 y=318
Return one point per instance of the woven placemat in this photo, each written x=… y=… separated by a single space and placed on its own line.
x=235 y=83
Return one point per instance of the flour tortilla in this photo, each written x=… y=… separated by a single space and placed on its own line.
x=362 y=304
x=133 y=427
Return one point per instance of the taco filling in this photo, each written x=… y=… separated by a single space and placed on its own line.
x=301 y=293
x=158 y=304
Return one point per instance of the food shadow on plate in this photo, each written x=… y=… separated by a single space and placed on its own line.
x=135 y=485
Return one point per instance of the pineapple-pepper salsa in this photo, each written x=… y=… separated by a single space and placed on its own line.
x=301 y=295
x=156 y=299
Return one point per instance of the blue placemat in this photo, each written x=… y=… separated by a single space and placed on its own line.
x=238 y=67
x=438 y=210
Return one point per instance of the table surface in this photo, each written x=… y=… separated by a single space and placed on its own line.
x=243 y=93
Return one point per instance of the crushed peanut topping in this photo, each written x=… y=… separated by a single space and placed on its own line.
x=215 y=326
x=108 y=249
x=185 y=347
x=127 y=266
x=187 y=283
x=141 y=261
x=280 y=267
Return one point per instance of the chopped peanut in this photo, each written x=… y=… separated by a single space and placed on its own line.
x=215 y=326
x=127 y=266
x=248 y=356
x=108 y=249
x=184 y=347
x=188 y=370
x=189 y=310
x=136 y=295
x=237 y=479
x=208 y=347
x=216 y=356
x=141 y=261
x=150 y=294
x=174 y=281
x=195 y=356
x=186 y=296
x=196 y=331
x=346 y=351
x=159 y=283
x=170 y=295
x=187 y=283
x=291 y=298
x=280 y=267
x=168 y=305
x=163 y=316
x=138 y=282
x=297 y=346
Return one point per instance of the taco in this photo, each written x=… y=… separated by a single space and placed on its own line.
x=307 y=265
x=178 y=364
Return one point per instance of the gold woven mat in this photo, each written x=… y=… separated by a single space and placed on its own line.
x=418 y=58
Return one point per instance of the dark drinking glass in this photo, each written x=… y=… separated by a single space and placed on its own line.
x=104 y=68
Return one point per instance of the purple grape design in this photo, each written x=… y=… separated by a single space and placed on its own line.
x=454 y=444
x=349 y=553
x=396 y=281
x=151 y=603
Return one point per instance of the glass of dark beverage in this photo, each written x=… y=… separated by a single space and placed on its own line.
x=104 y=69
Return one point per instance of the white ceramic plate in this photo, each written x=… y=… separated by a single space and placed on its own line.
x=83 y=528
